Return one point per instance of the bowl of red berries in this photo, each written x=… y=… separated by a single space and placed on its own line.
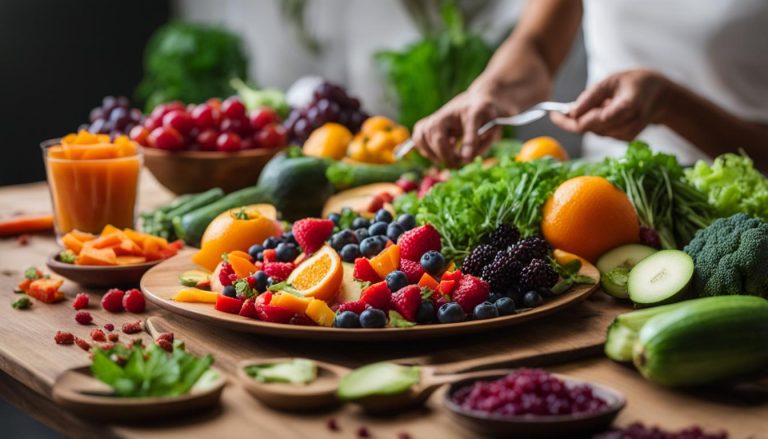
x=217 y=143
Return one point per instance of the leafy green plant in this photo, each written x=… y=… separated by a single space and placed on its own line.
x=190 y=63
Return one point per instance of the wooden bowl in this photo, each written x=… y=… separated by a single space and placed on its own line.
x=185 y=172
x=100 y=276
x=579 y=425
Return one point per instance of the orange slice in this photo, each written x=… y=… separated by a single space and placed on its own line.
x=319 y=276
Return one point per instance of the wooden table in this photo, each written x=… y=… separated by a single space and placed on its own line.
x=30 y=362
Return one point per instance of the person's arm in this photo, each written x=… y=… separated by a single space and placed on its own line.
x=518 y=76
x=623 y=104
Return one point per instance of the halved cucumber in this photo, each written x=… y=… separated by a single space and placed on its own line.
x=660 y=278
x=614 y=267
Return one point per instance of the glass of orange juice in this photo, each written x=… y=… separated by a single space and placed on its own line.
x=93 y=181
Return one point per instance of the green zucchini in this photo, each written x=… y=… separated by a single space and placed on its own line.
x=346 y=175
x=191 y=226
x=704 y=340
x=195 y=202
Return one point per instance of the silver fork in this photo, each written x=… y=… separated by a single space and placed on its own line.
x=530 y=115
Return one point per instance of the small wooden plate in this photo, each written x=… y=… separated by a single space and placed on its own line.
x=537 y=426
x=100 y=276
x=79 y=392
x=161 y=283
x=317 y=395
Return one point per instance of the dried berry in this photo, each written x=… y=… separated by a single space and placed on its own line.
x=132 y=327
x=83 y=317
x=113 y=337
x=82 y=344
x=98 y=335
x=64 y=337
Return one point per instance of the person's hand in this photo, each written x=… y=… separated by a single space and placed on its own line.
x=620 y=106
x=437 y=136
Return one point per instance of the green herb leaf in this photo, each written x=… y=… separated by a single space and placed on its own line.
x=396 y=320
x=22 y=303
x=67 y=256
x=297 y=371
x=32 y=273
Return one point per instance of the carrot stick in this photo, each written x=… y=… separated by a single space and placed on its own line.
x=26 y=224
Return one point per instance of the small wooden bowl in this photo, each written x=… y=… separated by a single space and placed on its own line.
x=537 y=426
x=185 y=172
x=100 y=276
x=79 y=392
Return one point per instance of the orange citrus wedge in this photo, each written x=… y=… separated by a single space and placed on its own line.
x=319 y=276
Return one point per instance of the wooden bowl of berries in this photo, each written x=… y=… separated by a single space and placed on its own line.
x=214 y=144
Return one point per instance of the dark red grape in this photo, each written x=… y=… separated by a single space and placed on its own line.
x=136 y=115
x=119 y=118
x=354 y=103
x=324 y=91
x=123 y=102
x=302 y=129
x=228 y=142
x=98 y=126
x=248 y=142
x=179 y=120
x=96 y=113
x=207 y=139
x=239 y=126
x=205 y=116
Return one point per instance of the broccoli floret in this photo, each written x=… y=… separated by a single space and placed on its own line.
x=731 y=257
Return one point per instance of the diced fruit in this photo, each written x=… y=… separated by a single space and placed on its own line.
x=64 y=338
x=294 y=303
x=194 y=295
x=350 y=289
x=406 y=301
x=320 y=276
x=660 y=278
x=415 y=242
x=311 y=233
x=387 y=261
x=320 y=313
x=364 y=271
x=242 y=266
x=273 y=314
x=46 y=290
x=377 y=296
x=446 y=286
x=269 y=255
x=227 y=304
x=428 y=281
x=133 y=301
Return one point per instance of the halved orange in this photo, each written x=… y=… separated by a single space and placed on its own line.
x=319 y=276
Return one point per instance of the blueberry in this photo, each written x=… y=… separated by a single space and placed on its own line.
x=383 y=215
x=259 y=256
x=270 y=281
x=342 y=238
x=426 y=312
x=360 y=222
x=262 y=281
x=229 y=291
x=377 y=228
x=373 y=318
x=451 y=313
x=286 y=252
x=485 y=310
x=382 y=239
x=289 y=238
x=347 y=319
x=407 y=220
x=494 y=296
x=371 y=247
x=350 y=252
x=255 y=250
x=361 y=234
x=505 y=306
x=396 y=280
x=532 y=299
x=433 y=262
x=270 y=242
x=335 y=217
x=394 y=230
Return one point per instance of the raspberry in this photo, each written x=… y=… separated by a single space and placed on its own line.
x=470 y=292
x=132 y=327
x=377 y=296
x=83 y=317
x=538 y=274
x=504 y=236
x=503 y=271
x=113 y=300
x=530 y=248
x=364 y=272
x=113 y=337
x=358 y=306
x=63 y=337
x=480 y=256
x=225 y=274
x=80 y=302
x=98 y=335
x=279 y=271
x=406 y=301
x=311 y=233
x=412 y=269
x=109 y=327
x=82 y=344
x=415 y=242
x=133 y=301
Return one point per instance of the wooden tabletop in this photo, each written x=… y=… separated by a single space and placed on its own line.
x=30 y=362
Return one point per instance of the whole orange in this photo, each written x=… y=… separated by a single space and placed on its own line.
x=588 y=216
x=539 y=147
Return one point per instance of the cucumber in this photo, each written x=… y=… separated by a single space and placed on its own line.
x=615 y=265
x=704 y=341
x=346 y=175
x=195 y=202
x=191 y=226
x=660 y=278
x=192 y=278
x=614 y=282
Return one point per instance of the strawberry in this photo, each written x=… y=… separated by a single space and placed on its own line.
x=228 y=304
x=278 y=271
x=357 y=307
x=377 y=296
x=248 y=309
x=415 y=242
x=311 y=233
x=446 y=286
x=470 y=292
x=412 y=269
x=406 y=301
x=364 y=272
x=274 y=314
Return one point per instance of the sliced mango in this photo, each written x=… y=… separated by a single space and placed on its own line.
x=294 y=303
x=320 y=312
x=195 y=295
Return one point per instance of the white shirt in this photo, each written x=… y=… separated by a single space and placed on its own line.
x=716 y=48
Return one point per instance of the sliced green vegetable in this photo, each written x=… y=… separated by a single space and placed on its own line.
x=297 y=371
x=378 y=379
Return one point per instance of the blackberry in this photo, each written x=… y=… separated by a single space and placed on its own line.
x=538 y=274
x=530 y=248
x=503 y=272
x=480 y=256
x=504 y=236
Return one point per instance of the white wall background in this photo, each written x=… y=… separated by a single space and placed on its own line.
x=350 y=31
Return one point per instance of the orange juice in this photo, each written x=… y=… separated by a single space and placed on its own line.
x=93 y=181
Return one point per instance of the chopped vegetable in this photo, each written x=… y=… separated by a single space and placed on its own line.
x=22 y=303
x=297 y=371
x=732 y=185
x=268 y=97
x=26 y=224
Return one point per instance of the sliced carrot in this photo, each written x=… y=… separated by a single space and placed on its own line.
x=96 y=256
x=108 y=229
x=82 y=236
x=136 y=237
x=104 y=241
x=128 y=248
x=428 y=281
x=72 y=243
x=26 y=224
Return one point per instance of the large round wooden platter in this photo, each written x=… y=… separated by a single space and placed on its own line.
x=161 y=283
